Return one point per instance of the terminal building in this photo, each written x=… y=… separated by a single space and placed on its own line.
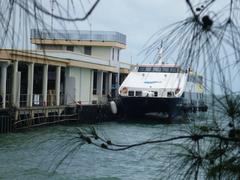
x=64 y=68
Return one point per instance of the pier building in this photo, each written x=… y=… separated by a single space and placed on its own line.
x=66 y=67
x=62 y=70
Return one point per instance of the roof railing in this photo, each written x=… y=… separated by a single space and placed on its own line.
x=108 y=36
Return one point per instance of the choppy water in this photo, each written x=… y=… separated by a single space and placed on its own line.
x=39 y=153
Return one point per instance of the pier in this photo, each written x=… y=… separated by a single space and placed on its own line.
x=67 y=69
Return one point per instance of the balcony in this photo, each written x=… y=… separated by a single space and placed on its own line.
x=71 y=35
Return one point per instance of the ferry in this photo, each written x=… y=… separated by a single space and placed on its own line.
x=161 y=88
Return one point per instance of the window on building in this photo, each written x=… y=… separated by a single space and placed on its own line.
x=112 y=53
x=70 y=48
x=88 y=50
x=118 y=54
x=104 y=84
x=94 y=82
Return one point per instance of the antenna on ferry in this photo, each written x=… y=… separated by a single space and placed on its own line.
x=160 y=54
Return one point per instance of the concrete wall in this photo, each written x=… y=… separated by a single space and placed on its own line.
x=115 y=54
x=72 y=89
x=79 y=49
x=85 y=86
x=114 y=61
x=105 y=53
x=102 y=52
x=78 y=85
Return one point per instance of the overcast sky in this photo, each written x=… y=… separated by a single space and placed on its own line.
x=138 y=19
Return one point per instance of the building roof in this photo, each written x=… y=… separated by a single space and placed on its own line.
x=75 y=37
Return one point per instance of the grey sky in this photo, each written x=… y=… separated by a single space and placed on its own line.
x=138 y=19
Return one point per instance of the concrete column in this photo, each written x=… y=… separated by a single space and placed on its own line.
x=117 y=84
x=45 y=84
x=14 y=83
x=91 y=86
x=30 y=84
x=3 y=83
x=18 y=89
x=99 y=83
x=109 y=83
x=57 y=84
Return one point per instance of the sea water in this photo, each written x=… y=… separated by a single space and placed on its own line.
x=56 y=152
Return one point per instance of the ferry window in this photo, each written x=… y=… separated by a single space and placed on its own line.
x=130 y=93
x=159 y=69
x=138 y=93
x=70 y=48
x=170 y=94
x=155 y=94
x=173 y=70
x=88 y=50
x=141 y=69
x=156 y=69
x=165 y=69
x=148 y=69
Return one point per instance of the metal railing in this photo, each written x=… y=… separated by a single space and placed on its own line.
x=7 y=101
x=109 y=36
x=37 y=100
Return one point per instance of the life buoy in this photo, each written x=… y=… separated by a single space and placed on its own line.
x=113 y=107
